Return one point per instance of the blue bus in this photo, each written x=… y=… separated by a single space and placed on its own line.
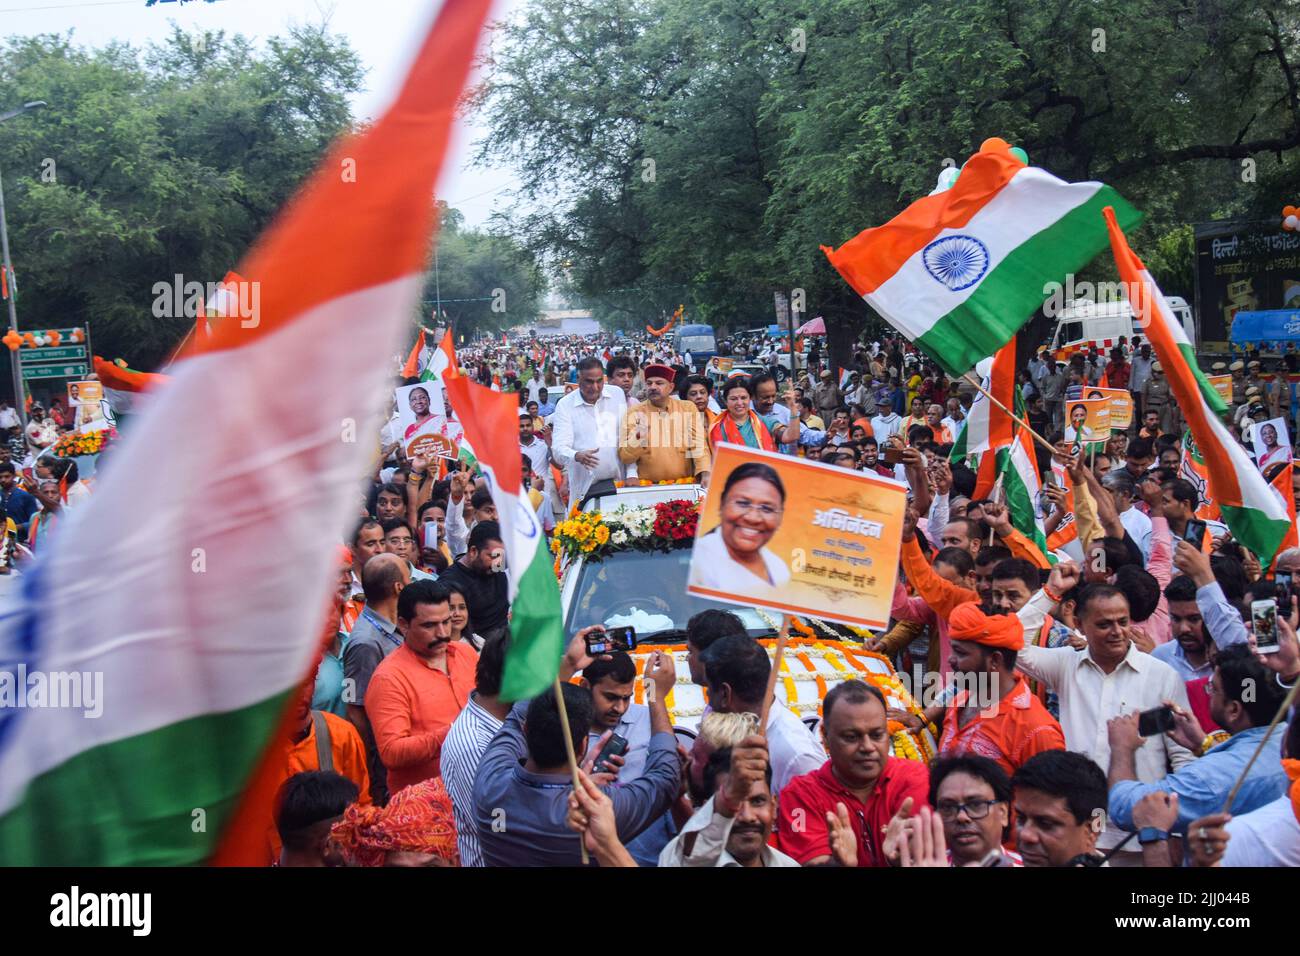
x=696 y=339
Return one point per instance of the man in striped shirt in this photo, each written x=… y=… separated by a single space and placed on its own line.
x=470 y=734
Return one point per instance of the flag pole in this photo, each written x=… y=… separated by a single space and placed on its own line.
x=573 y=757
x=781 y=637
x=1277 y=718
x=1014 y=417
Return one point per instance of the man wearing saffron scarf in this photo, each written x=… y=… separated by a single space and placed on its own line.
x=994 y=714
x=741 y=425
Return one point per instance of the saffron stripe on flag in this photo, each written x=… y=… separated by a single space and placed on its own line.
x=194 y=713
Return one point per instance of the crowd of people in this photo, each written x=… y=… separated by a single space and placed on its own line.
x=37 y=487
x=1098 y=702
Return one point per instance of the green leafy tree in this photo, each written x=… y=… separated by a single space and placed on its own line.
x=775 y=129
x=484 y=281
x=149 y=163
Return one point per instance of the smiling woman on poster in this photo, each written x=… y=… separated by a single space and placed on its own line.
x=418 y=398
x=1077 y=430
x=734 y=557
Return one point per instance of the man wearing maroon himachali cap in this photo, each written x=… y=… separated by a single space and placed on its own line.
x=664 y=435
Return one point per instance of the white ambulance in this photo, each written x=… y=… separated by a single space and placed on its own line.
x=1082 y=324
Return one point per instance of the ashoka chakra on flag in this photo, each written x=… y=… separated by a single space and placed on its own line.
x=956 y=261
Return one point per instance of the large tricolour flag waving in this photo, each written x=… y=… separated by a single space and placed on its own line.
x=491 y=422
x=960 y=271
x=1251 y=509
x=196 y=607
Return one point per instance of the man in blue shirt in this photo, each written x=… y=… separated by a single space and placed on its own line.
x=1244 y=697
x=19 y=505
x=1189 y=651
x=521 y=789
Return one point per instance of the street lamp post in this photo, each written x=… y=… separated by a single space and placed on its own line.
x=14 y=362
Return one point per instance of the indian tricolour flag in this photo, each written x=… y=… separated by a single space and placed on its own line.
x=1252 y=510
x=1004 y=448
x=184 y=602
x=959 y=272
x=442 y=361
x=491 y=422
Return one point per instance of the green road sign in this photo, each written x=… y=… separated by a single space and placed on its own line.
x=75 y=370
x=63 y=353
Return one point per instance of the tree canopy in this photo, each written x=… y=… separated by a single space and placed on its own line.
x=153 y=162
x=702 y=152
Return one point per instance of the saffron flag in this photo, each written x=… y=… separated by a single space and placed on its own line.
x=1282 y=484
x=412 y=367
x=959 y=272
x=1191 y=466
x=1246 y=503
x=491 y=422
x=197 y=609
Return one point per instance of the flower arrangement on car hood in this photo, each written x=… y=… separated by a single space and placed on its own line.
x=663 y=526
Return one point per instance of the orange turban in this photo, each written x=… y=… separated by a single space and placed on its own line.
x=418 y=819
x=968 y=623
x=345 y=556
x=1292 y=767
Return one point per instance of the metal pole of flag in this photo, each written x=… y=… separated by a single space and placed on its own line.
x=14 y=363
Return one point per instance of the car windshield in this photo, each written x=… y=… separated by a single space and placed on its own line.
x=646 y=590
x=697 y=343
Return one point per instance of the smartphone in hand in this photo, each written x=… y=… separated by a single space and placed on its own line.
x=1155 y=721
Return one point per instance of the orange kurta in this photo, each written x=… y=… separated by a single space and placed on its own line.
x=411 y=707
x=349 y=760
x=1011 y=732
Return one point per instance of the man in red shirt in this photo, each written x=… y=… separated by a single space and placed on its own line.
x=994 y=714
x=860 y=774
x=420 y=688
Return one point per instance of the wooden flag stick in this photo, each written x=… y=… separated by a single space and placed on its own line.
x=1014 y=417
x=781 y=638
x=573 y=757
x=1277 y=718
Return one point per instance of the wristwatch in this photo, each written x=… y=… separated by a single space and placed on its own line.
x=1152 y=835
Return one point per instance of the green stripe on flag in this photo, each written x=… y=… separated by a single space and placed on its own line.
x=1257 y=532
x=536 y=631
x=1020 y=502
x=133 y=802
x=1007 y=296
x=1208 y=392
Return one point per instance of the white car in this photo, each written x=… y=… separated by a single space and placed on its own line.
x=647 y=591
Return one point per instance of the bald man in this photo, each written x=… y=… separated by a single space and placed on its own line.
x=373 y=638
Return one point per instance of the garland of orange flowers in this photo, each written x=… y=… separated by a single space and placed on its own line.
x=908 y=744
x=647 y=483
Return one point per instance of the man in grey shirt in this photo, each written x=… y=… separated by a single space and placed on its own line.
x=374 y=636
x=1052 y=387
x=521 y=790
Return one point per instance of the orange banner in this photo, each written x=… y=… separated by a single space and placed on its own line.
x=798 y=537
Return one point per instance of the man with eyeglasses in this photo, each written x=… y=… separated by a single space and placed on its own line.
x=972 y=796
x=399 y=541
